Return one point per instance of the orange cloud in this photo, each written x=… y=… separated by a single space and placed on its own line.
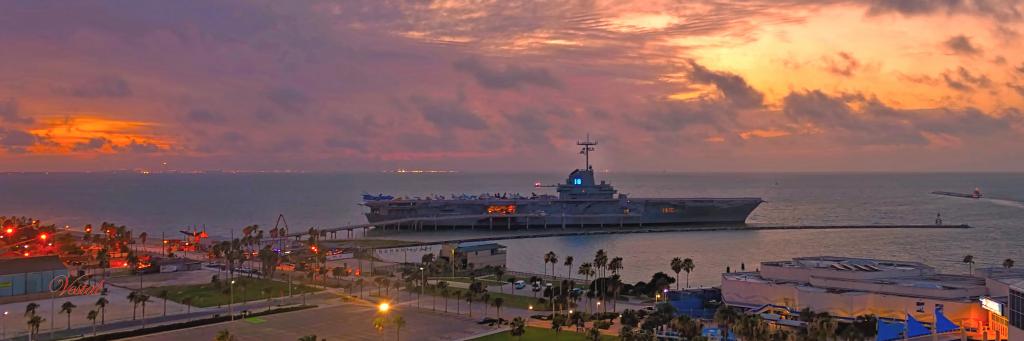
x=763 y=133
x=89 y=134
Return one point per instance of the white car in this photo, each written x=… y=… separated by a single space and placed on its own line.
x=519 y=284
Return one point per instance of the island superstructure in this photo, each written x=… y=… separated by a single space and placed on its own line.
x=581 y=202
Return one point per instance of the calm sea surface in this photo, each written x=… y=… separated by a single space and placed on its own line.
x=168 y=202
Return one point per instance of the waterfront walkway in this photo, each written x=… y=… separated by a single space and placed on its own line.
x=558 y=232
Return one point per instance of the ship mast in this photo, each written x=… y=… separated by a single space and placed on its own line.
x=588 y=146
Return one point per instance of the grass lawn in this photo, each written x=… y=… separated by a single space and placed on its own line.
x=246 y=289
x=514 y=301
x=534 y=333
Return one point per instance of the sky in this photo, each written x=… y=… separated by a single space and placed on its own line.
x=505 y=85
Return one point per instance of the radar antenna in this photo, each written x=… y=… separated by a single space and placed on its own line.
x=588 y=146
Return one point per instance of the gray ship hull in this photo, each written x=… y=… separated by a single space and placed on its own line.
x=542 y=213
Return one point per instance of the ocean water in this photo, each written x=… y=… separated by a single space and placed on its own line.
x=166 y=203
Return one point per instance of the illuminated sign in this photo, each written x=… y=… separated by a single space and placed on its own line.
x=992 y=306
x=65 y=287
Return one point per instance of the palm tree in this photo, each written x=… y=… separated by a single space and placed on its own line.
x=143 y=298
x=66 y=308
x=498 y=302
x=379 y=323
x=725 y=317
x=102 y=304
x=568 y=265
x=92 y=315
x=443 y=286
x=547 y=259
x=163 y=294
x=33 y=324
x=688 y=266
x=499 y=272
x=469 y=299
x=969 y=260
x=554 y=261
x=30 y=309
x=1008 y=263
x=485 y=299
x=518 y=327
x=133 y=297
x=600 y=262
x=615 y=265
x=586 y=270
x=187 y=301
x=224 y=335
x=399 y=322
x=677 y=266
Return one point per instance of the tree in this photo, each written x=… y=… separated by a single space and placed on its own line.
x=969 y=260
x=677 y=266
x=133 y=298
x=485 y=298
x=725 y=317
x=518 y=327
x=593 y=334
x=552 y=258
x=499 y=272
x=600 y=262
x=163 y=295
x=224 y=335
x=443 y=286
x=379 y=323
x=557 y=322
x=1007 y=263
x=102 y=304
x=399 y=322
x=92 y=315
x=187 y=301
x=66 y=308
x=568 y=266
x=33 y=324
x=143 y=298
x=498 y=302
x=30 y=309
x=688 y=266
x=586 y=270
x=615 y=265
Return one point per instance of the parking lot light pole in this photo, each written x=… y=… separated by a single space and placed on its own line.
x=231 y=300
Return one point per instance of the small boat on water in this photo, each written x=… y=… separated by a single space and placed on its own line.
x=973 y=195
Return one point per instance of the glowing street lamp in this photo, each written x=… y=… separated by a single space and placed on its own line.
x=384 y=307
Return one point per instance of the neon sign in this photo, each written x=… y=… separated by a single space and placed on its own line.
x=65 y=287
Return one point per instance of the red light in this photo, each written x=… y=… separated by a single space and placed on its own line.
x=42 y=236
x=88 y=230
x=313 y=248
x=26 y=254
x=10 y=230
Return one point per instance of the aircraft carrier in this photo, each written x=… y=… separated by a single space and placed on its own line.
x=580 y=202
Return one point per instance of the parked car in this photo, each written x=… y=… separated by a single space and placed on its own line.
x=519 y=284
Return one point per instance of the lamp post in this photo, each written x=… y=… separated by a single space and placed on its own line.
x=423 y=285
x=231 y=300
x=3 y=326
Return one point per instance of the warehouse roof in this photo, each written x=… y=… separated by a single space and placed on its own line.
x=30 y=264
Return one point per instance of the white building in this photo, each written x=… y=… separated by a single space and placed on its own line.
x=850 y=287
x=1016 y=311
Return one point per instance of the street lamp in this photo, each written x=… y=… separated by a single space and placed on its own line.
x=231 y=300
x=384 y=307
x=423 y=285
x=3 y=326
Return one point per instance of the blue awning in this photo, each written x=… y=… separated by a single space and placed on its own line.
x=889 y=331
x=943 y=324
x=915 y=328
